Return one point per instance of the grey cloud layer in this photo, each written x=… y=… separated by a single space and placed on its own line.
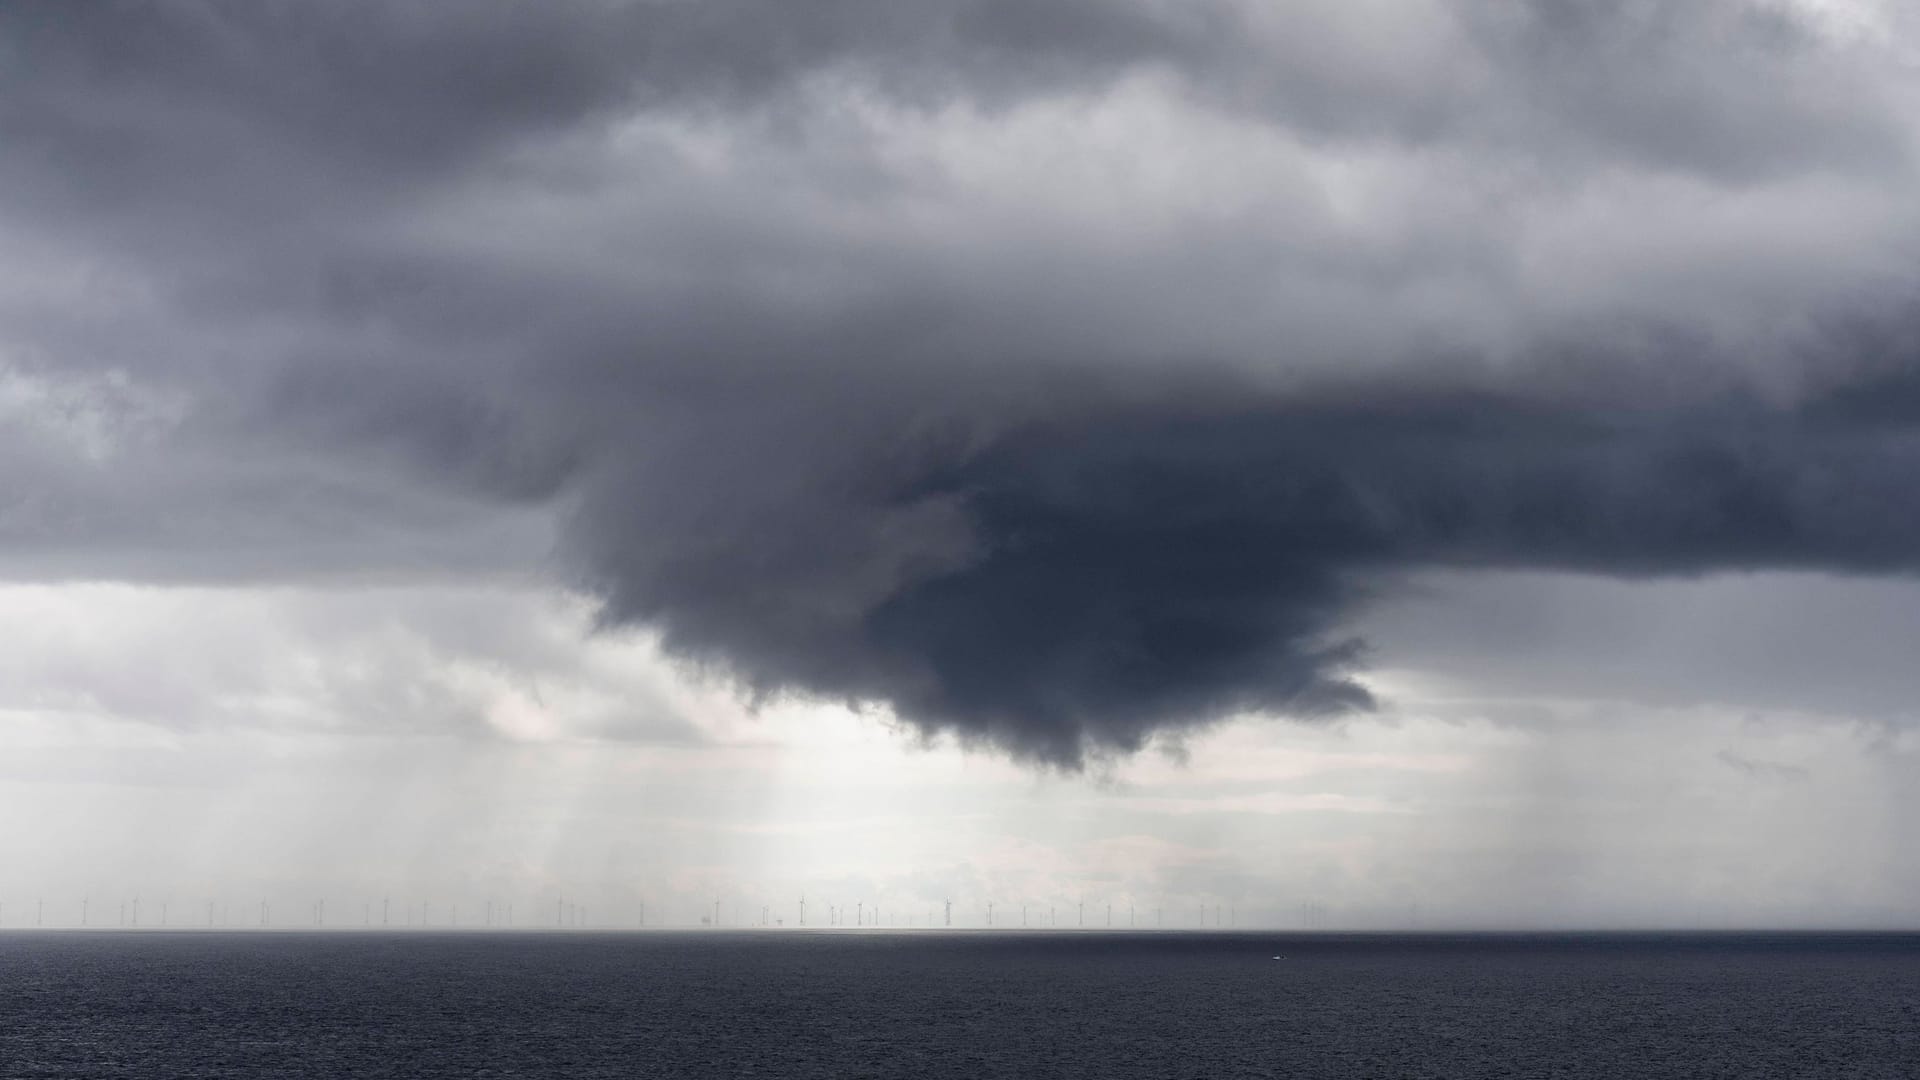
x=475 y=663
x=1055 y=373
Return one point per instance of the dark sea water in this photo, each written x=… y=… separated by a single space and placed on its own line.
x=957 y=1005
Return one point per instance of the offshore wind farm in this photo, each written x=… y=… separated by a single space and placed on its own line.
x=751 y=912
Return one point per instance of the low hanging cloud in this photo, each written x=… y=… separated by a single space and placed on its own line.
x=1054 y=374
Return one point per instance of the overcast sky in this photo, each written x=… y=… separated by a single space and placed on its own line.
x=1349 y=462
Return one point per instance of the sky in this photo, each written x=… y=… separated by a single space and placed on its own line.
x=1344 y=463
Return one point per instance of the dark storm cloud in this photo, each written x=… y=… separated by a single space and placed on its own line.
x=129 y=92
x=1155 y=566
x=1054 y=373
x=228 y=107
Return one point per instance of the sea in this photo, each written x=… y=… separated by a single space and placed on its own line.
x=923 y=1004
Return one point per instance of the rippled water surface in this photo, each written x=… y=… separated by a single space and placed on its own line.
x=956 y=1005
